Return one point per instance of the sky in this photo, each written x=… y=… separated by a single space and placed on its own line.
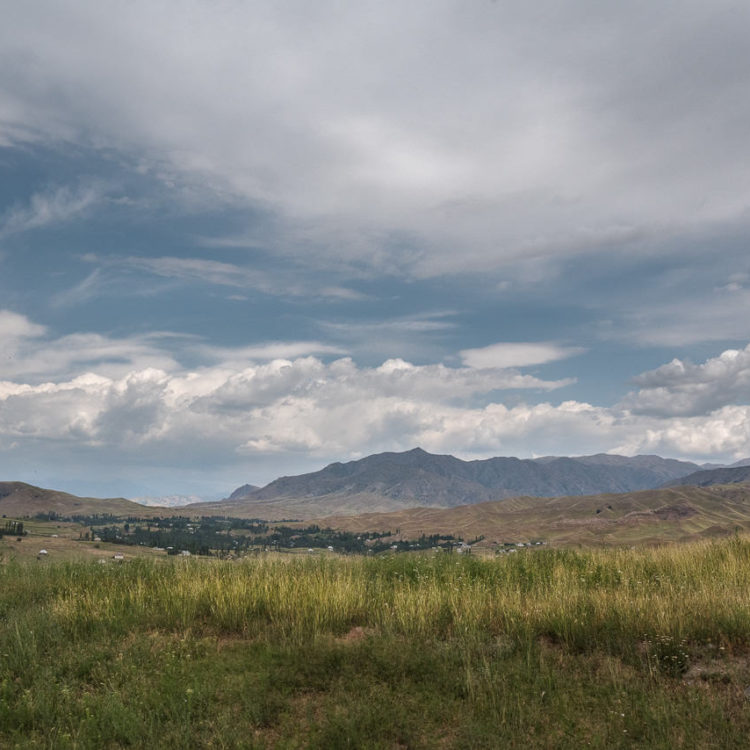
x=240 y=240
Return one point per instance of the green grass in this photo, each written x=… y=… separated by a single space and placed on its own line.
x=545 y=648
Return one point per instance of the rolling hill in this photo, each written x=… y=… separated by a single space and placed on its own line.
x=19 y=499
x=647 y=516
x=394 y=481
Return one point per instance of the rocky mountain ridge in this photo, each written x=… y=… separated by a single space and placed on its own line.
x=393 y=481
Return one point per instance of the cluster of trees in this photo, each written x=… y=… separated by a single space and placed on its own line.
x=197 y=539
x=347 y=541
x=12 y=528
x=219 y=535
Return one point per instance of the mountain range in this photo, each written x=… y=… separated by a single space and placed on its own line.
x=394 y=481
x=726 y=475
x=636 y=500
x=389 y=482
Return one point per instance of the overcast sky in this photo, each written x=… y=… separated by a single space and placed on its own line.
x=246 y=239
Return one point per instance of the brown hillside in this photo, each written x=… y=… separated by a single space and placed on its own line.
x=19 y=499
x=648 y=516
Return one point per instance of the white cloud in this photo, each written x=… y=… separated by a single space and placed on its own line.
x=723 y=432
x=333 y=411
x=283 y=405
x=14 y=327
x=685 y=389
x=29 y=351
x=135 y=397
x=517 y=354
x=131 y=402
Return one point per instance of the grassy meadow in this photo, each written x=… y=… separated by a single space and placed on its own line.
x=546 y=648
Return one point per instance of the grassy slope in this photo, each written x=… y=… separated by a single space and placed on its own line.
x=552 y=648
x=648 y=516
x=18 y=499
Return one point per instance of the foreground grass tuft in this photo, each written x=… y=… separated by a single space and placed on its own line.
x=547 y=648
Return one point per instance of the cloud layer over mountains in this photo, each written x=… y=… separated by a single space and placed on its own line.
x=137 y=402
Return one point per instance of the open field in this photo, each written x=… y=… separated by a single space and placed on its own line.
x=61 y=540
x=545 y=648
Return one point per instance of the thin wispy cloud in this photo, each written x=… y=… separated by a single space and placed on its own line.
x=207 y=271
x=49 y=208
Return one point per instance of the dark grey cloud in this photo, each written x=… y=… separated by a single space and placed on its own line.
x=484 y=132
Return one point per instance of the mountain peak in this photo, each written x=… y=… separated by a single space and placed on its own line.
x=244 y=491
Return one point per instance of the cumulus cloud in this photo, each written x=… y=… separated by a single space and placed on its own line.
x=442 y=136
x=722 y=432
x=133 y=399
x=681 y=388
x=132 y=394
x=334 y=410
x=283 y=406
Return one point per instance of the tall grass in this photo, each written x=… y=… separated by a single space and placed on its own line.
x=603 y=599
x=464 y=631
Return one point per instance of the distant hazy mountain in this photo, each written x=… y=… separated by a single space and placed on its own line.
x=392 y=481
x=168 y=501
x=729 y=475
x=741 y=462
